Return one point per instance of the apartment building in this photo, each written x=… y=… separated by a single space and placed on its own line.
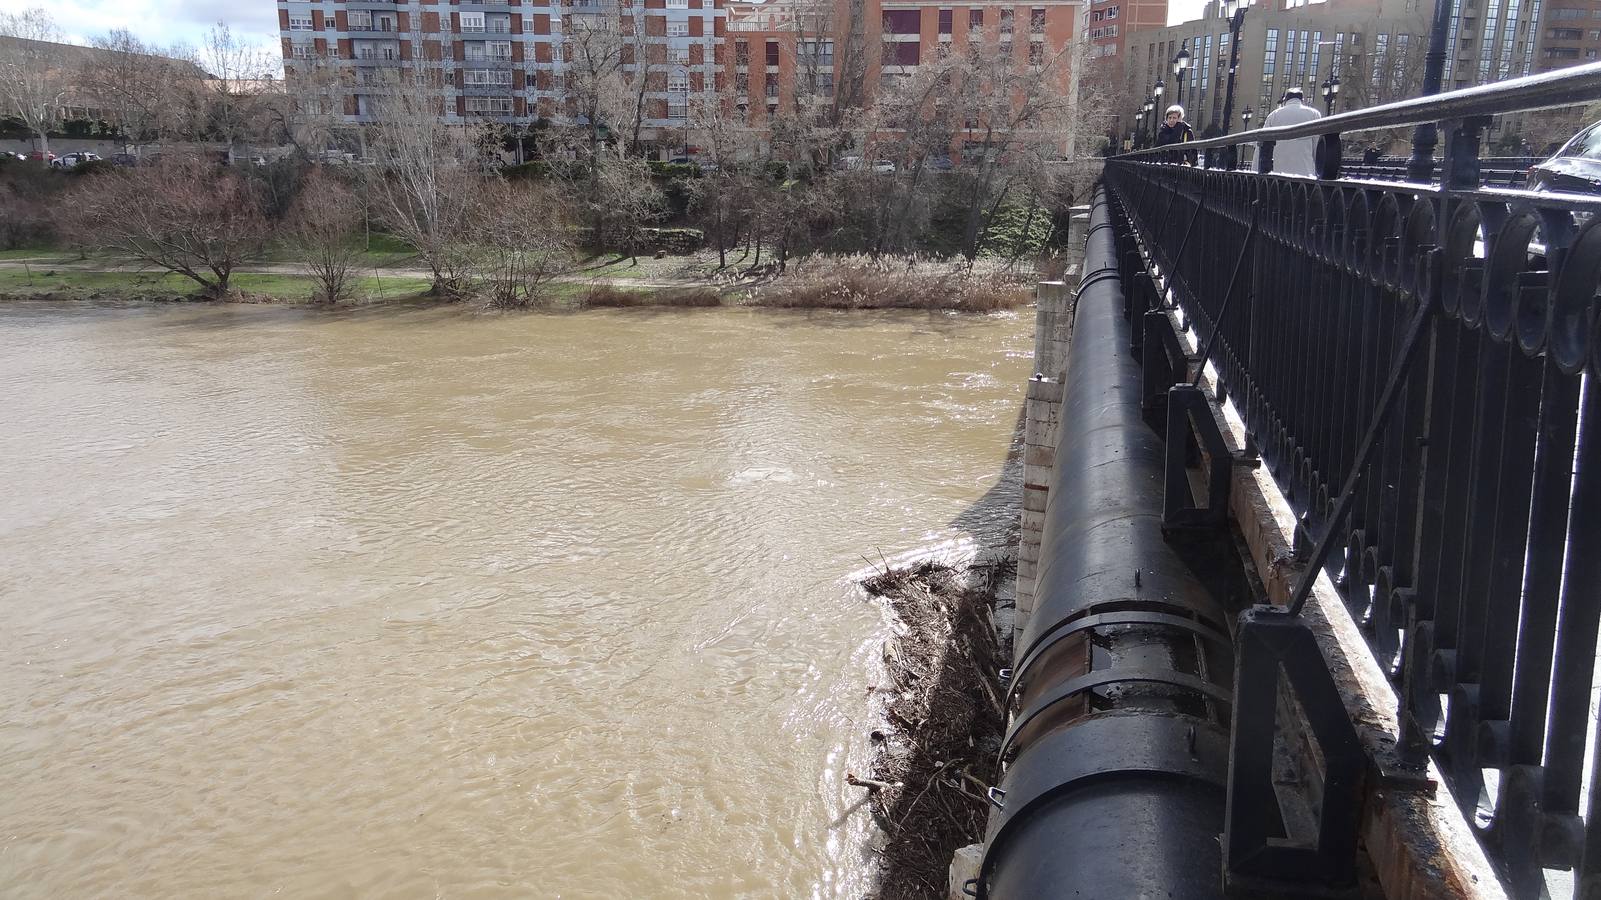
x=1108 y=25
x=1376 y=47
x=1491 y=40
x=778 y=48
x=1570 y=34
x=505 y=60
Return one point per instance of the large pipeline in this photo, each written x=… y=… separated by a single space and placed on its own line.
x=1116 y=758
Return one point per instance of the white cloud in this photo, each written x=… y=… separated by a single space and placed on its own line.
x=161 y=22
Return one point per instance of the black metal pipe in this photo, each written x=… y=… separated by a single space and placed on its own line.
x=1122 y=698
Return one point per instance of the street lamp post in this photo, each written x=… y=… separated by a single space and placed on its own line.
x=1245 y=125
x=1331 y=88
x=1181 y=67
x=1236 y=13
x=1235 y=9
x=1150 y=104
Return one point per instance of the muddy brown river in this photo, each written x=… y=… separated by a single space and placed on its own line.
x=422 y=603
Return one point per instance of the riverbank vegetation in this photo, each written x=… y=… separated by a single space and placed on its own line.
x=935 y=757
x=829 y=205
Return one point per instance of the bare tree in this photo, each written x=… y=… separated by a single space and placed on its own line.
x=426 y=183
x=241 y=86
x=322 y=228
x=183 y=216
x=522 y=236
x=135 y=87
x=33 y=82
x=722 y=193
x=1014 y=121
x=312 y=117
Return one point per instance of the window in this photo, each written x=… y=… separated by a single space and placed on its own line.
x=946 y=20
x=495 y=106
x=1006 y=24
x=1566 y=34
x=816 y=53
x=975 y=18
x=741 y=83
x=678 y=83
x=678 y=4
x=1595 y=35
x=900 y=53
x=770 y=85
x=742 y=53
x=772 y=53
x=1036 y=20
x=1567 y=15
x=498 y=49
x=1036 y=53
x=902 y=21
x=486 y=76
x=678 y=29
x=300 y=51
x=300 y=23
x=1112 y=11
x=1562 y=53
x=493 y=25
x=472 y=23
x=823 y=85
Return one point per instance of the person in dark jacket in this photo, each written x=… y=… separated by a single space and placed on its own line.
x=1370 y=156
x=1176 y=131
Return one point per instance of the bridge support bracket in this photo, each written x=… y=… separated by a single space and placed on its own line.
x=1262 y=853
x=1190 y=419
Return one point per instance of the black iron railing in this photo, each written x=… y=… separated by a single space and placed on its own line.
x=1417 y=364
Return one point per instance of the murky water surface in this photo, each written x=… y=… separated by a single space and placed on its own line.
x=421 y=603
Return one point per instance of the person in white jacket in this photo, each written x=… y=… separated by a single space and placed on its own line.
x=1297 y=157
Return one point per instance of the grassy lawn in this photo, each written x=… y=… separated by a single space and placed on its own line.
x=42 y=254
x=382 y=252
x=134 y=285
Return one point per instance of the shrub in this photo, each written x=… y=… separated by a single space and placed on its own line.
x=321 y=228
x=858 y=282
x=522 y=234
x=92 y=167
x=607 y=296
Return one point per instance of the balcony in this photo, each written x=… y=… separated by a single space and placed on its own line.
x=491 y=28
x=486 y=90
x=373 y=30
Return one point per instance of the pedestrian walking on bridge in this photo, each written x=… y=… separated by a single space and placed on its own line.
x=1297 y=157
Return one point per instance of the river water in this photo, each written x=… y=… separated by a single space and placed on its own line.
x=418 y=603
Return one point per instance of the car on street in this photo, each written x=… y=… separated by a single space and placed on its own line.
x=1576 y=167
x=72 y=160
x=43 y=156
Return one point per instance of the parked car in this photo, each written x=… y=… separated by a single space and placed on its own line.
x=883 y=167
x=74 y=159
x=43 y=156
x=124 y=160
x=1575 y=167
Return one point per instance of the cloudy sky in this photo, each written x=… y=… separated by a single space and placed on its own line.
x=160 y=22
